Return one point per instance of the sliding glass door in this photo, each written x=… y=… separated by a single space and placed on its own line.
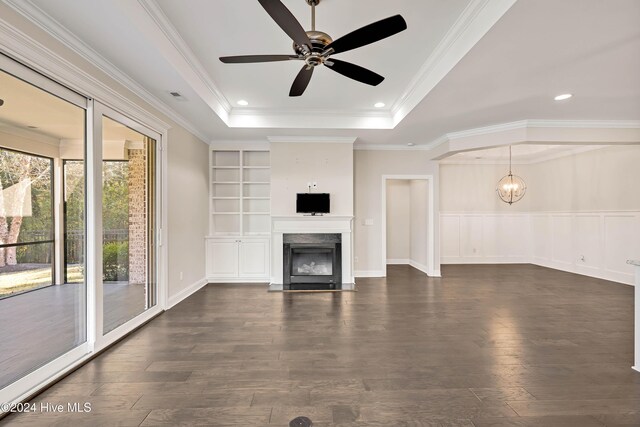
x=79 y=226
x=129 y=221
x=42 y=303
x=74 y=212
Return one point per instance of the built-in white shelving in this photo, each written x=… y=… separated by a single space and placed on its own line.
x=240 y=193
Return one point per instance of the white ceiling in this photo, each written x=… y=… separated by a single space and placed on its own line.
x=223 y=28
x=513 y=68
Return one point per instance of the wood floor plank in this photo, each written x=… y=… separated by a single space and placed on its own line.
x=208 y=417
x=575 y=407
x=509 y=345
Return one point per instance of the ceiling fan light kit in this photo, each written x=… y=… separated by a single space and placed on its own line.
x=315 y=48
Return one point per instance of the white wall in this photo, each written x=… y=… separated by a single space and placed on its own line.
x=472 y=188
x=398 y=221
x=188 y=209
x=293 y=165
x=369 y=167
x=597 y=180
x=582 y=214
x=419 y=195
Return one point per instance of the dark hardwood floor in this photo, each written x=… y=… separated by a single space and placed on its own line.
x=511 y=345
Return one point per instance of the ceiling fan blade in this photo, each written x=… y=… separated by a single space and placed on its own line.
x=285 y=19
x=246 y=59
x=302 y=81
x=354 y=72
x=369 y=34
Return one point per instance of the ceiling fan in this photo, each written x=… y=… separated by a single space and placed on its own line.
x=316 y=47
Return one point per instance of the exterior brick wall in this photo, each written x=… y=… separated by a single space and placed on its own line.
x=137 y=216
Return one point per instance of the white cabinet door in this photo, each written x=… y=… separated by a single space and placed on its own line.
x=254 y=258
x=222 y=258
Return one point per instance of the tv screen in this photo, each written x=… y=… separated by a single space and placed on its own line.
x=312 y=203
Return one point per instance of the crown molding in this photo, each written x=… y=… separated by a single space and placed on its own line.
x=584 y=124
x=170 y=32
x=477 y=18
x=53 y=28
x=516 y=132
x=312 y=139
x=484 y=130
x=531 y=159
x=389 y=147
x=474 y=22
x=17 y=45
x=325 y=113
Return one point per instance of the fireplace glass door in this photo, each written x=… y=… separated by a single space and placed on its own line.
x=312 y=262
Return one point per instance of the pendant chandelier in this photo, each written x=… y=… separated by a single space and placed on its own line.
x=511 y=188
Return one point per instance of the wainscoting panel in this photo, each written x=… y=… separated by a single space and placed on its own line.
x=485 y=238
x=471 y=236
x=542 y=238
x=588 y=241
x=450 y=227
x=621 y=242
x=562 y=235
x=596 y=244
x=493 y=241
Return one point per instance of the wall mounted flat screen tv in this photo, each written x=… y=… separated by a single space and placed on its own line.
x=313 y=203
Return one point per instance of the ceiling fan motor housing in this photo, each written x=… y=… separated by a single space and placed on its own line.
x=319 y=41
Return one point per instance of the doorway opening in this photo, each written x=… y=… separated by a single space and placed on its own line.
x=408 y=222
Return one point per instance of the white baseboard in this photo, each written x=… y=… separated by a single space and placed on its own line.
x=597 y=273
x=398 y=261
x=239 y=281
x=185 y=293
x=419 y=266
x=485 y=260
x=369 y=273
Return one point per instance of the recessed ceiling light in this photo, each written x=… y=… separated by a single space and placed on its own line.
x=563 y=97
x=410 y=144
x=379 y=104
x=1 y=102
x=32 y=127
x=243 y=103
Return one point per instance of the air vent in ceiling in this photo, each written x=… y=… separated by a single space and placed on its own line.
x=178 y=96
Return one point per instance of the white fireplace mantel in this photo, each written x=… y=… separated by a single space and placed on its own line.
x=281 y=225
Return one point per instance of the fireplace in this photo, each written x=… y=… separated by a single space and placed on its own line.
x=312 y=261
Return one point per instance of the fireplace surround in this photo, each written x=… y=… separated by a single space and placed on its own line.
x=300 y=224
x=312 y=261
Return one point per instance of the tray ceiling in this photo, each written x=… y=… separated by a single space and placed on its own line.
x=462 y=64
